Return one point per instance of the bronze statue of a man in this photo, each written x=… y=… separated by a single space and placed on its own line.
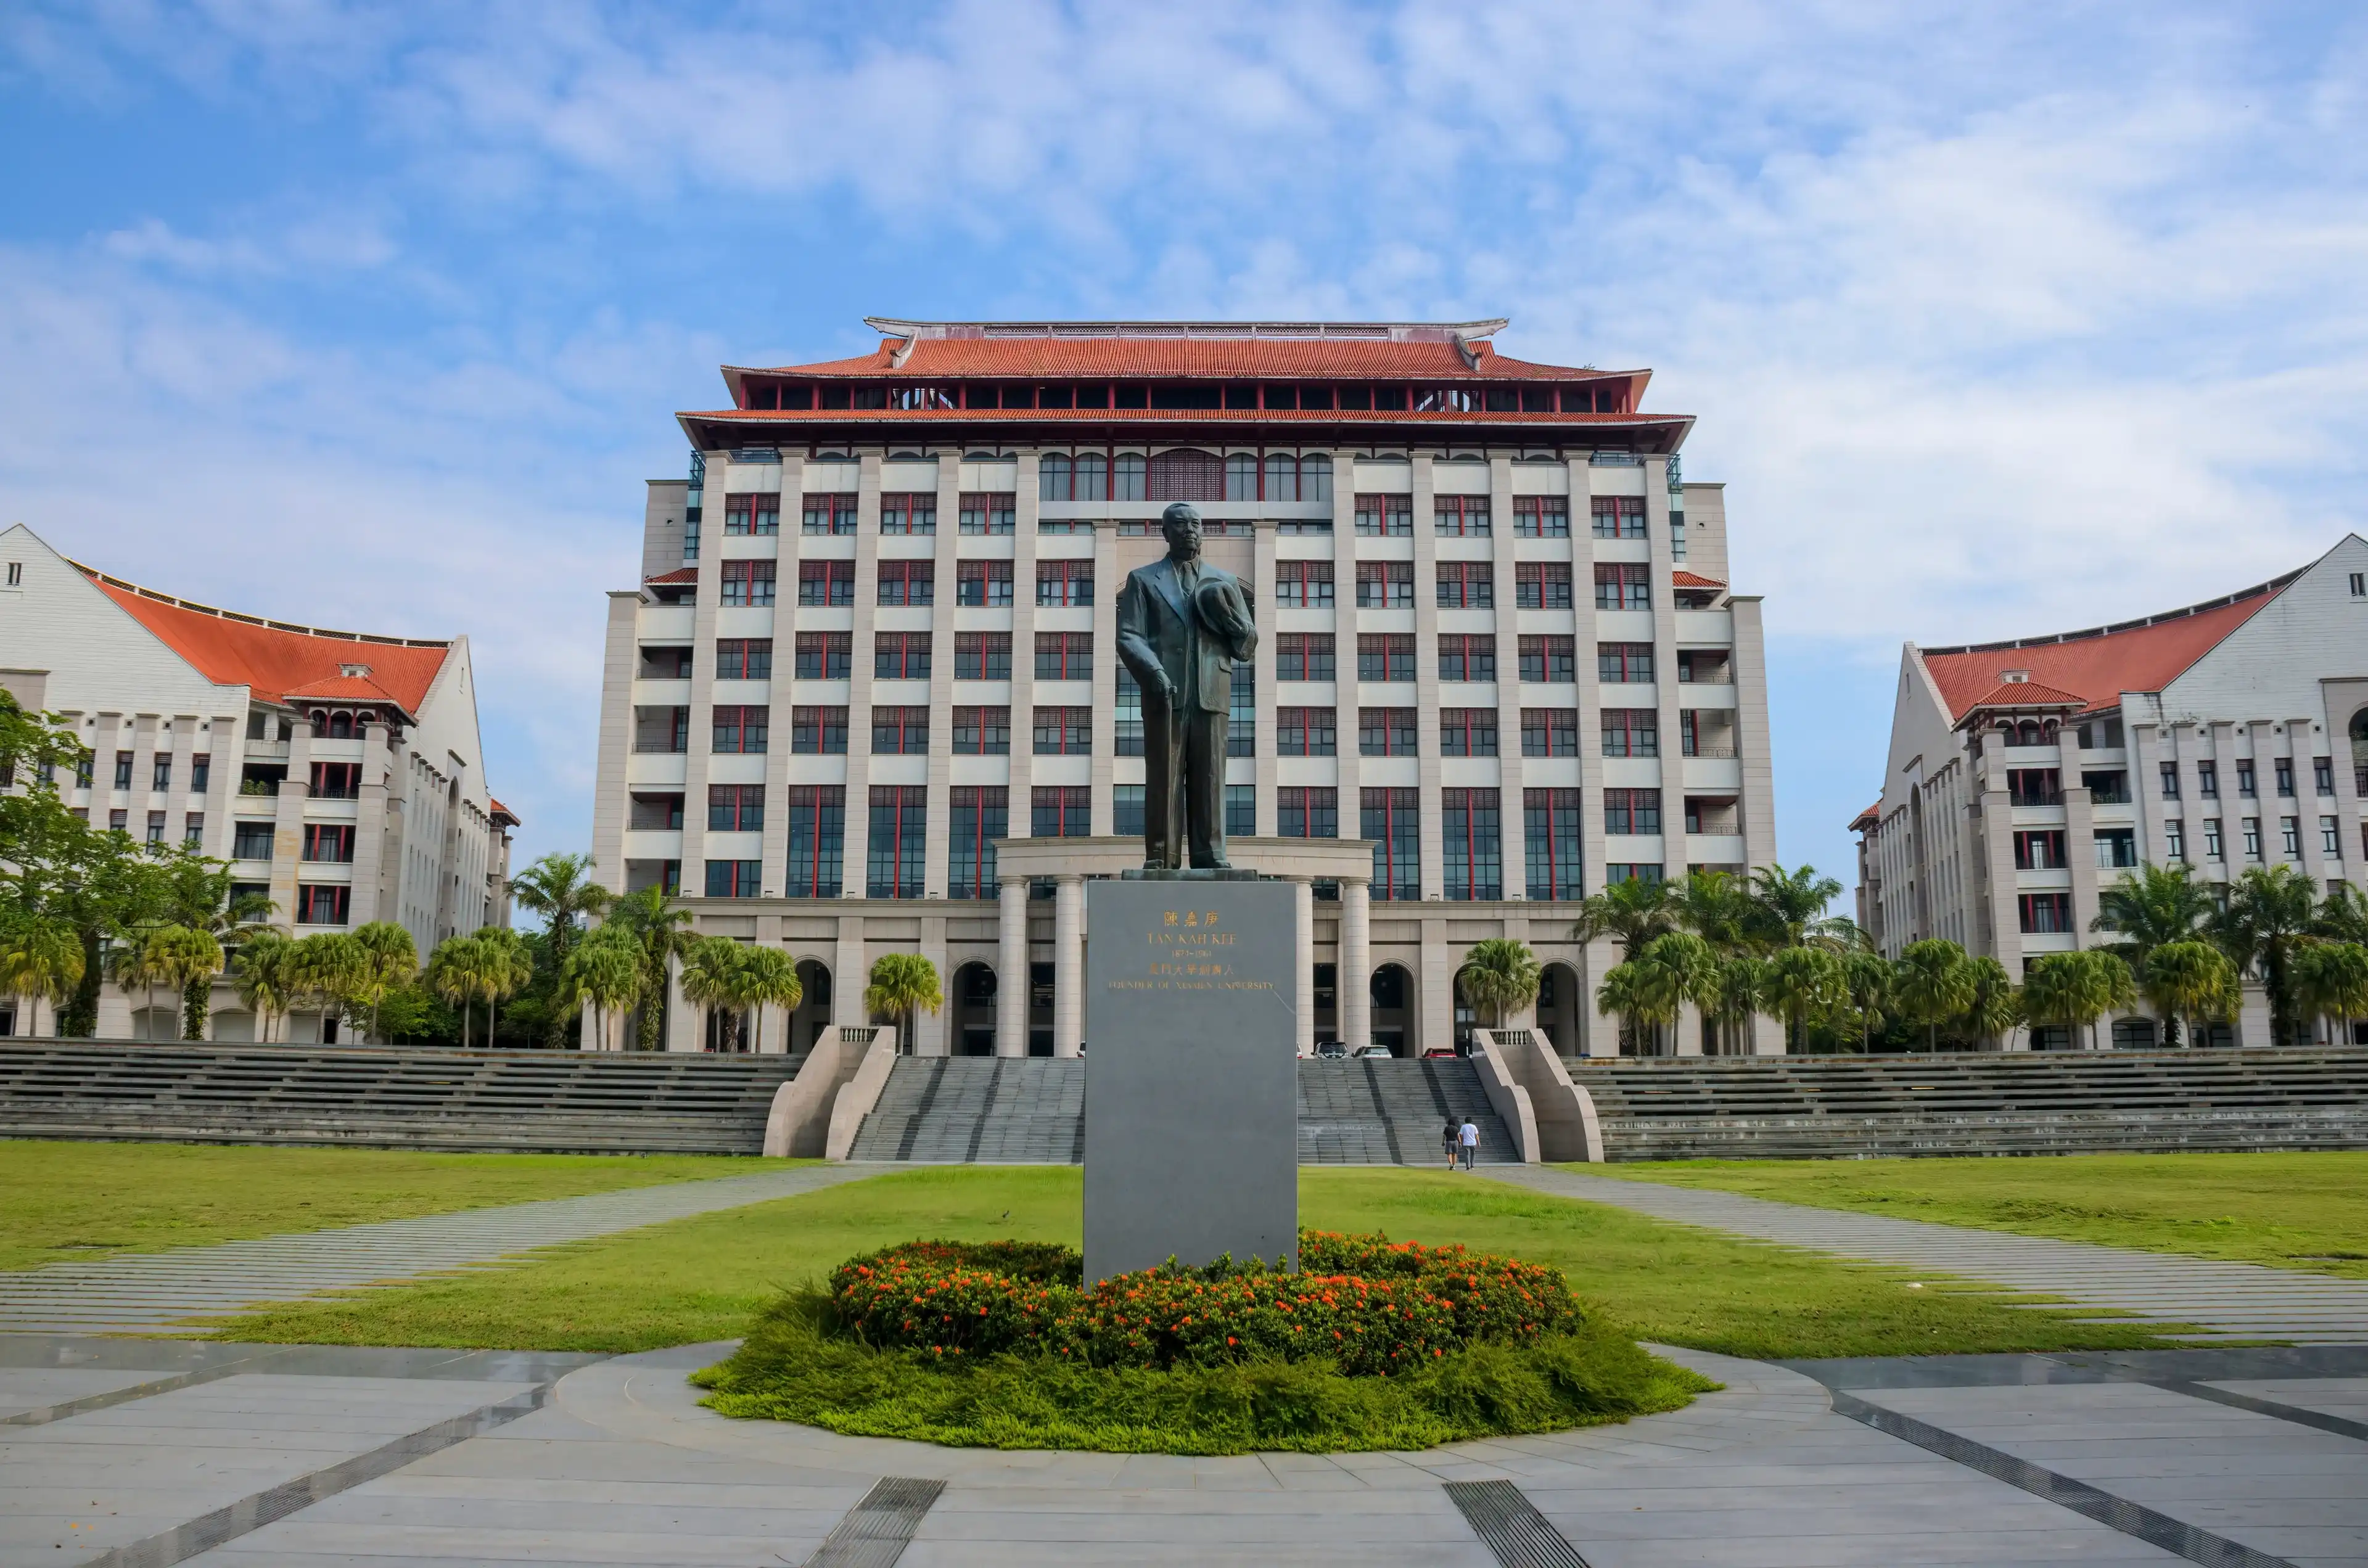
x=1182 y=624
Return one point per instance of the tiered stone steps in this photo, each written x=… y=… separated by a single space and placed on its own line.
x=551 y=1101
x=978 y=1109
x=2006 y=1103
x=1374 y=1112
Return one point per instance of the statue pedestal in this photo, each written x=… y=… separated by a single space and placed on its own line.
x=1192 y=1086
x=1196 y=874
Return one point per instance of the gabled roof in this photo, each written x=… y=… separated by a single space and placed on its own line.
x=2096 y=665
x=503 y=816
x=2025 y=693
x=1866 y=819
x=1179 y=357
x=680 y=574
x=279 y=662
x=1685 y=579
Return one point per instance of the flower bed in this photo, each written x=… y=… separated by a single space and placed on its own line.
x=1372 y=1343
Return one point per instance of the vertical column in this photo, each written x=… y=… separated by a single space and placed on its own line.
x=224 y=742
x=1599 y=1030
x=1666 y=690
x=2308 y=804
x=1426 y=681
x=369 y=829
x=858 y=701
x=1302 y=900
x=850 y=972
x=1105 y=678
x=288 y=828
x=1068 y=965
x=1349 y=775
x=683 y=1021
x=1263 y=583
x=612 y=789
x=936 y=863
x=933 y=1032
x=1751 y=732
x=1011 y=971
x=2079 y=834
x=1354 y=980
x=1026 y=501
x=1512 y=842
x=1435 y=1022
x=1592 y=846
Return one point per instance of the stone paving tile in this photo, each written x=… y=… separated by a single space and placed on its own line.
x=2231 y=1299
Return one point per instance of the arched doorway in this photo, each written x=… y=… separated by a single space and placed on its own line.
x=1393 y=1015
x=971 y=1030
x=813 y=1014
x=1559 y=995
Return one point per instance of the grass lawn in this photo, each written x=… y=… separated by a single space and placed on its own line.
x=706 y=1277
x=2306 y=1210
x=66 y=1199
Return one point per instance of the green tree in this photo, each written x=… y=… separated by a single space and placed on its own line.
x=132 y=965
x=1678 y=966
x=2331 y=982
x=40 y=957
x=1631 y=914
x=263 y=973
x=605 y=969
x=773 y=982
x=1866 y=979
x=2193 y=979
x=663 y=930
x=186 y=960
x=560 y=889
x=2342 y=915
x=1805 y=983
x=1996 y=1006
x=716 y=978
x=2074 y=989
x=459 y=972
x=903 y=986
x=1720 y=910
x=388 y=960
x=1742 y=997
x=2270 y=911
x=331 y=969
x=2149 y=907
x=1499 y=976
x=1792 y=906
x=1641 y=1000
x=508 y=969
x=1933 y=983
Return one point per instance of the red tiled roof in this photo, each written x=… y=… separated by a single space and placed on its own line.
x=1193 y=415
x=2026 y=694
x=1181 y=357
x=1685 y=579
x=346 y=688
x=278 y=662
x=503 y=813
x=2094 y=669
x=1866 y=819
x=680 y=574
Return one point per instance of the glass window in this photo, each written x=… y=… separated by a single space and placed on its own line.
x=1307 y=813
x=1126 y=810
x=898 y=840
x=1549 y=659
x=981 y=816
x=1062 y=812
x=1385 y=656
x=1473 y=841
x=824 y=655
x=982 y=655
x=1127 y=736
x=830 y=514
x=817 y=839
x=1619 y=517
x=1391 y=515
x=982 y=731
x=1304 y=655
x=1551 y=826
x=1305 y=731
x=1540 y=516
x=987 y=512
x=900 y=655
x=1392 y=819
x=1467 y=658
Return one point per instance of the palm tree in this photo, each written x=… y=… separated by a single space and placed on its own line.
x=508 y=969
x=1804 y=983
x=606 y=969
x=1867 y=977
x=663 y=930
x=1680 y=967
x=1996 y=1006
x=263 y=973
x=456 y=973
x=187 y=961
x=560 y=889
x=1742 y=997
x=1792 y=903
x=332 y=970
x=903 y=984
x=2151 y=905
x=133 y=967
x=1718 y=909
x=2270 y=913
x=1631 y=914
x=714 y=976
x=1499 y=976
x=388 y=959
x=2342 y=915
x=2331 y=981
x=773 y=981
x=39 y=958
x=2075 y=990
x=2192 y=980
x=1933 y=984
x=1639 y=998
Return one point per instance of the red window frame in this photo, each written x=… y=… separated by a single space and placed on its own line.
x=905 y=732
x=1547 y=652
x=1396 y=650
x=1070 y=731
x=1306 y=732
x=905 y=845
x=907 y=512
x=323 y=904
x=982 y=584
x=900 y=655
x=816 y=651
x=1066 y=583
x=1540 y=516
x=1542 y=585
x=1629 y=584
x=813 y=730
x=334 y=780
x=1072 y=654
x=818 y=817
x=1637 y=732
x=1628 y=812
x=1067 y=809
x=830 y=512
x=2058 y=916
x=1467 y=656
x=1549 y=732
x=1460 y=517
x=743 y=724
x=1399 y=729
x=1467 y=732
x=1474 y=583
x=830 y=583
x=1391 y=582
x=1618 y=516
x=1391 y=879
x=981 y=730
x=907 y=583
x=1298 y=650
x=1553 y=839
x=1385 y=516
x=735 y=808
x=1307 y=808
x=996 y=511
x=972 y=874
x=1303 y=585
x=1624 y=663
x=755 y=513
x=974 y=653
x=1473 y=807
x=338 y=837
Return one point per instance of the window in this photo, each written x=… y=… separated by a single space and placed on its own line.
x=982 y=655
x=1549 y=659
x=2117 y=847
x=1467 y=658
x=1543 y=585
x=1289 y=478
x=321 y=905
x=2246 y=787
x=1466 y=585
x=899 y=839
x=1631 y=732
x=1304 y=655
x=2322 y=776
x=981 y=816
x=822 y=655
x=986 y=512
x=193 y=829
x=1464 y=517
x=1622 y=586
x=251 y=840
x=1386 y=514
x=119 y=822
x=744 y=658
x=2040 y=850
x=1064 y=582
x=1624 y=663
x=1064 y=656
x=909 y=582
x=1241 y=720
x=752 y=514
x=733 y=879
x=2281 y=770
x=982 y=731
x=1126 y=726
x=1064 y=732
x=1540 y=516
x=1307 y=813
x=1127 y=470
x=830 y=514
x=1549 y=732
x=1619 y=517
x=2211 y=840
x=1386 y=732
x=1061 y=811
x=1392 y=820
x=123 y=770
x=900 y=655
x=818 y=732
x=909 y=512
x=1385 y=584
x=749 y=582
x=1241 y=809
x=2045 y=912
x=329 y=841
x=160 y=773
x=1385 y=656
x=987 y=583
x=336 y=780
x=2290 y=836
x=1303 y=585
x=740 y=729
x=817 y=836
x=2035 y=786
x=1631 y=811
x=1472 y=838
x=1551 y=832
x=825 y=582
x=2171 y=781
x=900 y=731
x=2207 y=780
x=201 y=772
x=2252 y=839
x=2329 y=842
x=156 y=827
x=658 y=812
x=2358 y=584
x=1126 y=810
x=1305 y=731
x=1467 y=732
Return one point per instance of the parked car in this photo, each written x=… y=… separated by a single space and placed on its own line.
x=1331 y=1048
x=1381 y=1052
x=1439 y=1052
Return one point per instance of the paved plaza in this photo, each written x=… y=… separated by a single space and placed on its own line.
x=155 y=1450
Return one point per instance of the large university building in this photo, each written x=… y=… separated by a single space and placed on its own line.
x=2026 y=776
x=874 y=638
x=340 y=772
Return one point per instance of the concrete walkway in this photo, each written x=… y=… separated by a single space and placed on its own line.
x=2221 y=1300
x=149 y=1293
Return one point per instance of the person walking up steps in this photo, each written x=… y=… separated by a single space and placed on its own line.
x=1470 y=1138
x=1449 y=1137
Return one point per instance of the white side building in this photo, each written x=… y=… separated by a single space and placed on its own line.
x=341 y=773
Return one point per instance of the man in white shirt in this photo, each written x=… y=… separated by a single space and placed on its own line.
x=1470 y=1137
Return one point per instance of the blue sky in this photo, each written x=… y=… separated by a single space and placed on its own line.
x=1998 y=320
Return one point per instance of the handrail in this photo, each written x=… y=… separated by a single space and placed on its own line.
x=861 y=1095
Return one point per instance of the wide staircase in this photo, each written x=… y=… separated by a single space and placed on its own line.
x=2007 y=1103
x=1032 y=1110
x=549 y=1101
